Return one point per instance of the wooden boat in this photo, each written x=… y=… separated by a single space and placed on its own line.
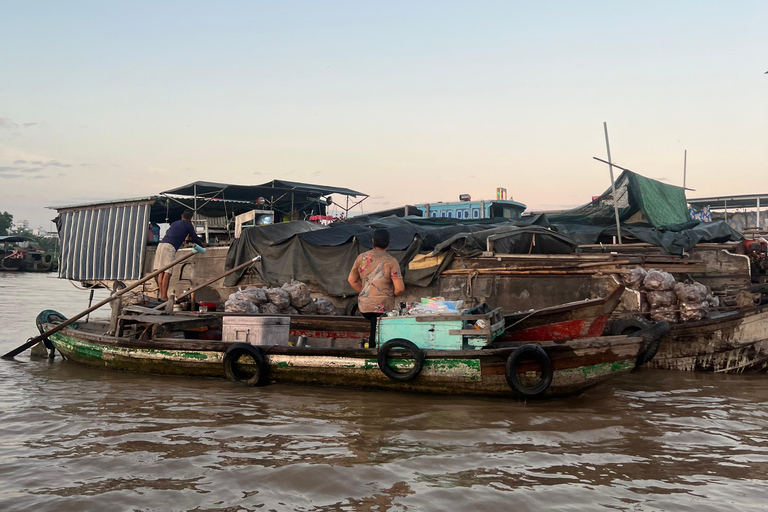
x=728 y=342
x=507 y=369
x=563 y=322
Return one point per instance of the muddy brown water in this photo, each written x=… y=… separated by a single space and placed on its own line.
x=79 y=439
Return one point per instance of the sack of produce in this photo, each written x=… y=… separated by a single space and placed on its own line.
x=657 y=299
x=714 y=301
x=134 y=299
x=309 y=309
x=252 y=294
x=691 y=292
x=299 y=293
x=240 y=306
x=269 y=309
x=665 y=313
x=690 y=311
x=325 y=307
x=290 y=310
x=658 y=280
x=278 y=297
x=634 y=280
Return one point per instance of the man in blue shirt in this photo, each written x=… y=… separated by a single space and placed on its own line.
x=166 y=249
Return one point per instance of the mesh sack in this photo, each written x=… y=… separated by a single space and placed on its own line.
x=658 y=280
x=278 y=297
x=634 y=280
x=691 y=292
x=299 y=293
x=665 y=313
x=690 y=311
x=658 y=299
x=240 y=306
x=269 y=309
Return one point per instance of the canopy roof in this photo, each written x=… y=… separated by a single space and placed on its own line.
x=252 y=192
x=723 y=202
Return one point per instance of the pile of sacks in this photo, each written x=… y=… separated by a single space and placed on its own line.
x=667 y=299
x=291 y=299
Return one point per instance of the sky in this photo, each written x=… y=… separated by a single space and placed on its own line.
x=409 y=102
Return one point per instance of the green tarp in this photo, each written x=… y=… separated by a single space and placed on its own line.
x=639 y=200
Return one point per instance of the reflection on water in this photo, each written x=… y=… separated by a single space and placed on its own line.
x=81 y=439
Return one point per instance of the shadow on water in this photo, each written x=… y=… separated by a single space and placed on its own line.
x=77 y=438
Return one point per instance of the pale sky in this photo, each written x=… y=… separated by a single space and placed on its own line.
x=409 y=102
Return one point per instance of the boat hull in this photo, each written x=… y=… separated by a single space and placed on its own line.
x=731 y=343
x=577 y=366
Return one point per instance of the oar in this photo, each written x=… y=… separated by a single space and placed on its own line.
x=225 y=274
x=13 y=353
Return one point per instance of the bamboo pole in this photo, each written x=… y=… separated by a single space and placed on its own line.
x=13 y=353
x=613 y=185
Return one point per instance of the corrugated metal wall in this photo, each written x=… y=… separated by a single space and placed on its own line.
x=104 y=243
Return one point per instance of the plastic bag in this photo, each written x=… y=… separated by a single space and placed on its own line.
x=325 y=307
x=690 y=311
x=299 y=293
x=269 y=309
x=240 y=306
x=657 y=299
x=309 y=309
x=693 y=292
x=665 y=313
x=714 y=301
x=634 y=280
x=290 y=310
x=278 y=297
x=252 y=294
x=658 y=280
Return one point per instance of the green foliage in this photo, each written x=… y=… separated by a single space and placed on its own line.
x=6 y=221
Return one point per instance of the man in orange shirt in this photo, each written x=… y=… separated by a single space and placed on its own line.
x=376 y=278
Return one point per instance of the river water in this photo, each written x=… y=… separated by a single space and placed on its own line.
x=79 y=439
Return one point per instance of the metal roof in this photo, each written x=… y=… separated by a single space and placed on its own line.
x=251 y=192
x=723 y=202
x=107 y=202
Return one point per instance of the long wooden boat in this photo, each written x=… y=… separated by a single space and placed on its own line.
x=731 y=342
x=581 y=319
x=506 y=369
x=563 y=322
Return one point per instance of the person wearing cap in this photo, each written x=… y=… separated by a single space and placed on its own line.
x=166 y=249
x=377 y=279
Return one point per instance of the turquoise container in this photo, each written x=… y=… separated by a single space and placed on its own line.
x=430 y=335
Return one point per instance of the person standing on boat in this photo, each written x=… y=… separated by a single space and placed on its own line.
x=376 y=278
x=166 y=249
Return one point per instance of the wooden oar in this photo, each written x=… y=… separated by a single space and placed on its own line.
x=225 y=274
x=13 y=353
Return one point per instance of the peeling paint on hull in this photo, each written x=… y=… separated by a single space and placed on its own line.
x=733 y=343
x=476 y=375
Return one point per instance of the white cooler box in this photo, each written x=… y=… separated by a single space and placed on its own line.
x=256 y=330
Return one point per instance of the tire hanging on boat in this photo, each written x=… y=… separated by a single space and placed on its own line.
x=235 y=374
x=529 y=352
x=403 y=344
x=628 y=325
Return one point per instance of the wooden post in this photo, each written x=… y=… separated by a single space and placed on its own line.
x=613 y=184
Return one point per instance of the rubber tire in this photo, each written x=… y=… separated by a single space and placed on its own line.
x=547 y=371
x=418 y=358
x=234 y=352
x=351 y=309
x=629 y=325
x=652 y=339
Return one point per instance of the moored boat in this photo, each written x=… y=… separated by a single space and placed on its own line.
x=726 y=342
x=503 y=369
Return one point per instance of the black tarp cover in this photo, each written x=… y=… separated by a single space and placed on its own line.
x=323 y=256
x=673 y=239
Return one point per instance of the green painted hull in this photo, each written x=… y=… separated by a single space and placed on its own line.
x=473 y=372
